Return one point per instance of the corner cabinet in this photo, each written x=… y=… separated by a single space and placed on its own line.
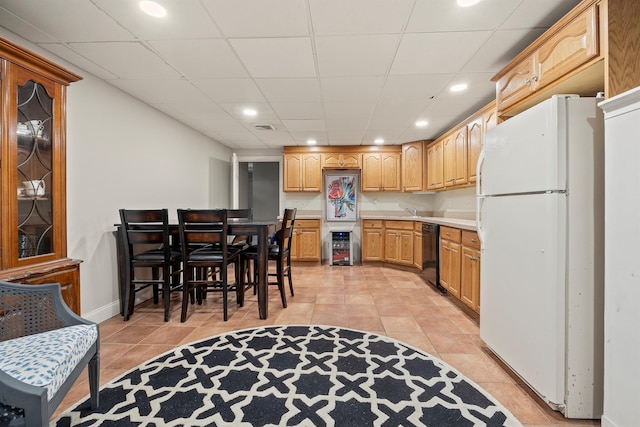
x=412 y=166
x=33 y=229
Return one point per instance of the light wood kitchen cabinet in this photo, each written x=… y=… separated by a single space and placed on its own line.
x=570 y=46
x=412 y=166
x=398 y=242
x=450 y=259
x=435 y=165
x=470 y=270
x=474 y=146
x=372 y=240
x=381 y=171
x=417 y=245
x=341 y=160
x=305 y=245
x=455 y=157
x=33 y=228
x=302 y=172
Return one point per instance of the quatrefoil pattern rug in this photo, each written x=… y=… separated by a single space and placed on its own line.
x=293 y=376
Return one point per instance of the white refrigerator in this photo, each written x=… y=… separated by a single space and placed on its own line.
x=540 y=219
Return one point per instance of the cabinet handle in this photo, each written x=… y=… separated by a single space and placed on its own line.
x=473 y=258
x=473 y=240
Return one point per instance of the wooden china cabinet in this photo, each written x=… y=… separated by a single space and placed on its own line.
x=33 y=229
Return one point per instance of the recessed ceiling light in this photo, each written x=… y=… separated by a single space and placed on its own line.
x=152 y=8
x=250 y=112
x=467 y=3
x=459 y=87
x=311 y=142
x=422 y=123
x=378 y=141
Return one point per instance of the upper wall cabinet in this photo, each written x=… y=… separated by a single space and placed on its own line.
x=412 y=166
x=570 y=48
x=302 y=172
x=435 y=165
x=33 y=229
x=381 y=171
x=341 y=160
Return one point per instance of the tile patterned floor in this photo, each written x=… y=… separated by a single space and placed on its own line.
x=377 y=299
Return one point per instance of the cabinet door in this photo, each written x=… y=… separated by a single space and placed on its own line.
x=391 y=172
x=341 y=160
x=309 y=245
x=449 y=160
x=405 y=254
x=372 y=244
x=470 y=278
x=311 y=173
x=455 y=258
x=460 y=161
x=69 y=280
x=412 y=159
x=292 y=169
x=371 y=172
x=391 y=246
x=33 y=225
x=445 y=263
x=435 y=166
x=574 y=45
x=516 y=84
x=417 y=249
x=474 y=144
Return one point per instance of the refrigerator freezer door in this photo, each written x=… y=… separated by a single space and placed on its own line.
x=523 y=288
x=526 y=153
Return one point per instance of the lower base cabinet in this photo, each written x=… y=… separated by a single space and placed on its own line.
x=372 y=240
x=305 y=245
x=470 y=271
x=66 y=272
x=450 y=260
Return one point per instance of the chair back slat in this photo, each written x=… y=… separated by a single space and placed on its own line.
x=203 y=226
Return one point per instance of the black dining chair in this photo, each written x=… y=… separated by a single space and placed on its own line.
x=243 y=243
x=146 y=244
x=280 y=253
x=206 y=255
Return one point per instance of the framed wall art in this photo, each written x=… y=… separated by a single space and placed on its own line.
x=341 y=196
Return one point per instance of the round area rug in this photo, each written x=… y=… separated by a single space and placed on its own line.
x=292 y=376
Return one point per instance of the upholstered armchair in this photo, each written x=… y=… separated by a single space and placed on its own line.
x=44 y=347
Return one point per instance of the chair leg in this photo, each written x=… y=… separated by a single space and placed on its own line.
x=127 y=307
x=94 y=380
x=240 y=280
x=155 y=276
x=187 y=292
x=280 y=276
x=166 y=291
x=289 y=275
x=223 y=277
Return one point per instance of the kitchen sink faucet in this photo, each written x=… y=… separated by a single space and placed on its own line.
x=414 y=212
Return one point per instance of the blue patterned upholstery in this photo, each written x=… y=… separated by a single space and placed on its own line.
x=46 y=359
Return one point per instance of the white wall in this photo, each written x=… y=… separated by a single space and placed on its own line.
x=124 y=154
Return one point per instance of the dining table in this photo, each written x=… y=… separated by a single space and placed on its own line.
x=261 y=229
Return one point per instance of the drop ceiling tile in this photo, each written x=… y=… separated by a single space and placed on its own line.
x=300 y=138
x=69 y=20
x=436 y=53
x=479 y=86
x=304 y=125
x=127 y=60
x=161 y=91
x=355 y=124
x=357 y=110
x=235 y=109
x=276 y=57
x=394 y=114
x=184 y=20
x=431 y=16
x=411 y=88
x=298 y=110
x=500 y=49
x=338 y=89
x=72 y=57
x=230 y=90
x=331 y=17
x=193 y=111
x=24 y=28
x=201 y=59
x=538 y=13
x=350 y=137
x=259 y=18
x=451 y=107
x=369 y=55
x=290 y=90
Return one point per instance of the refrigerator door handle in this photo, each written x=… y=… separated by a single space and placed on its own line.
x=479 y=231
x=479 y=166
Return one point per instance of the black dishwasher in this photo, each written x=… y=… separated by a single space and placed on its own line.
x=431 y=255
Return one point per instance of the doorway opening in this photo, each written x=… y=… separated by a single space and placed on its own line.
x=259 y=189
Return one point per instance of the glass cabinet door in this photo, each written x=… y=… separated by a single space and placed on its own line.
x=34 y=170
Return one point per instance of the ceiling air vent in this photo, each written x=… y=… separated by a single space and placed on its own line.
x=265 y=127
